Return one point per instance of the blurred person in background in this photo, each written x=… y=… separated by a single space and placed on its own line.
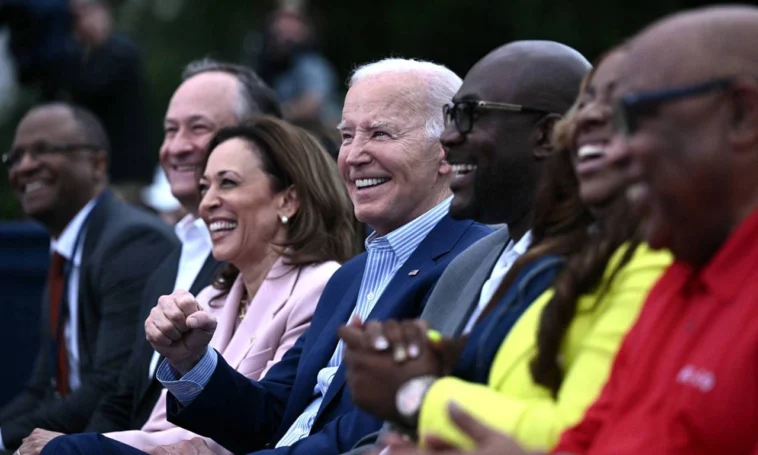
x=213 y=95
x=280 y=216
x=68 y=49
x=287 y=59
x=103 y=252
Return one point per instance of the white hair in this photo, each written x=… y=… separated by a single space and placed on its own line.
x=441 y=85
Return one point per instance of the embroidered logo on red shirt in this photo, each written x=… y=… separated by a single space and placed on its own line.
x=699 y=378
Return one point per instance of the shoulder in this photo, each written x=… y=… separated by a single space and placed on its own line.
x=483 y=245
x=121 y=220
x=315 y=276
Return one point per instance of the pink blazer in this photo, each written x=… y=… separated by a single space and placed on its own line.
x=279 y=313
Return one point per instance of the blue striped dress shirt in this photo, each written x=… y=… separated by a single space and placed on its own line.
x=385 y=257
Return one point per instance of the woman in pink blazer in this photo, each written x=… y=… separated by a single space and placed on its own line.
x=279 y=215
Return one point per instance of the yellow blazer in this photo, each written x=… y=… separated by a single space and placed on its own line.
x=511 y=402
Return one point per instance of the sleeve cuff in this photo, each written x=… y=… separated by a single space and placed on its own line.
x=185 y=389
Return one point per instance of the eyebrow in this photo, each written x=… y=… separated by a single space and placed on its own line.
x=190 y=119
x=225 y=172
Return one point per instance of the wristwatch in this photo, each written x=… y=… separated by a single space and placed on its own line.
x=410 y=397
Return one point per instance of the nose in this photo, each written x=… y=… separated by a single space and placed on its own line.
x=619 y=155
x=179 y=144
x=209 y=202
x=26 y=164
x=593 y=115
x=356 y=154
x=451 y=136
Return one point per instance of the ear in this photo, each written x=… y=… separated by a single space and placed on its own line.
x=744 y=122
x=99 y=162
x=289 y=203
x=441 y=155
x=542 y=136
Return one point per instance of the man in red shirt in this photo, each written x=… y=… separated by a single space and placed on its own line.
x=685 y=381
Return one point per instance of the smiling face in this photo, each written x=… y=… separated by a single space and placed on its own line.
x=53 y=187
x=495 y=170
x=393 y=172
x=600 y=179
x=200 y=106
x=239 y=205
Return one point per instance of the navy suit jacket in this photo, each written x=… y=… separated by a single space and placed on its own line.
x=248 y=416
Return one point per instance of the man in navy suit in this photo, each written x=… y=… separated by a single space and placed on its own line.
x=398 y=179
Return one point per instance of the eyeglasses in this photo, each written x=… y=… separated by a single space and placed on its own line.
x=39 y=149
x=462 y=112
x=632 y=107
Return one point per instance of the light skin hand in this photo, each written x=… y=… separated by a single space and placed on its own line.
x=180 y=330
x=36 y=441
x=195 y=446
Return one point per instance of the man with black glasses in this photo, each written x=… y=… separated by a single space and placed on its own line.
x=498 y=133
x=102 y=250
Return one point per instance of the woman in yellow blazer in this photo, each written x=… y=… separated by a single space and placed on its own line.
x=555 y=360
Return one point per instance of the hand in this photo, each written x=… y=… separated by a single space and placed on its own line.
x=35 y=442
x=375 y=372
x=180 y=330
x=488 y=441
x=195 y=446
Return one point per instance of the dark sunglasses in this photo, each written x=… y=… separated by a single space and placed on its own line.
x=631 y=108
x=462 y=112
x=40 y=149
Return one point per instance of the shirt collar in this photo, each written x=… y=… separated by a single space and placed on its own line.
x=64 y=244
x=404 y=240
x=192 y=228
x=523 y=244
x=735 y=261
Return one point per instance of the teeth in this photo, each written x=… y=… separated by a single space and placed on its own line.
x=463 y=168
x=590 y=151
x=364 y=183
x=185 y=168
x=33 y=186
x=222 y=226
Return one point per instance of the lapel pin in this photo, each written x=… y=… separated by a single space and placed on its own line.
x=413 y=273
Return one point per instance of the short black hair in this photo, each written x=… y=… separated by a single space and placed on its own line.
x=87 y=122
x=255 y=94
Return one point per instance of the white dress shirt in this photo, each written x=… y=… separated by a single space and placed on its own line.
x=196 y=246
x=511 y=253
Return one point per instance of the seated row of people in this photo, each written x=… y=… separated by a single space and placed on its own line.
x=533 y=323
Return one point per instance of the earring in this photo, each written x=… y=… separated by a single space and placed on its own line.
x=283 y=219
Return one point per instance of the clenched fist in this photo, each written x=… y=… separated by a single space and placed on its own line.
x=180 y=330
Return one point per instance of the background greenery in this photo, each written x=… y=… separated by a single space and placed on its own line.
x=454 y=32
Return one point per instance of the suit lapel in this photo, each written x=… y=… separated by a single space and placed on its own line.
x=417 y=269
x=459 y=312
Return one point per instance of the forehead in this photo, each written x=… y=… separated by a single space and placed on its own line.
x=391 y=98
x=609 y=71
x=234 y=155
x=493 y=80
x=212 y=95
x=49 y=124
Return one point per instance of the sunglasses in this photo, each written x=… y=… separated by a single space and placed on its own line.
x=631 y=108
x=462 y=112
x=40 y=149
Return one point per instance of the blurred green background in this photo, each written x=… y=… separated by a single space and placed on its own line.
x=453 y=32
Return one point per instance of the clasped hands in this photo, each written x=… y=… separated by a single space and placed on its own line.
x=381 y=356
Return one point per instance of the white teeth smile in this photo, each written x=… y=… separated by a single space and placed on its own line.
x=218 y=226
x=462 y=169
x=185 y=168
x=33 y=186
x=365 y=183
x=590 y=151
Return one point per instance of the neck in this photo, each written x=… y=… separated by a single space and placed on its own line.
x=518 y=229
x=254 y=272
x=55 y=223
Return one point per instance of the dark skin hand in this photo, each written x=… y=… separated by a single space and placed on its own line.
x=381 y=356
x=487 y=441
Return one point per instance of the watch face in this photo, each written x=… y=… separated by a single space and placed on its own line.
x=409 y=397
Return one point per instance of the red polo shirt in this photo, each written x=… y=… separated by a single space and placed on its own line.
x=685 y=381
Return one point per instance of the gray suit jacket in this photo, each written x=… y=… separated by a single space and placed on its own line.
x=455 y=297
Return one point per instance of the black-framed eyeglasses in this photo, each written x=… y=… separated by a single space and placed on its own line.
x=462 y=112
x=38 y=149
x=629 y=109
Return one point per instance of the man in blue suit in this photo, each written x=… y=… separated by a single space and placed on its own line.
x=398 y=178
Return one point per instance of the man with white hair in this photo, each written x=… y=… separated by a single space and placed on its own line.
x=398 y=179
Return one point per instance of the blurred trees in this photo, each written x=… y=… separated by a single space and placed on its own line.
x=454 y=32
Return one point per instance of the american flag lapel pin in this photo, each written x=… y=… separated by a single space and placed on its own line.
x=413 y=272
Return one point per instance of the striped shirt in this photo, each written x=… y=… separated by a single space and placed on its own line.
x=385 y=257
